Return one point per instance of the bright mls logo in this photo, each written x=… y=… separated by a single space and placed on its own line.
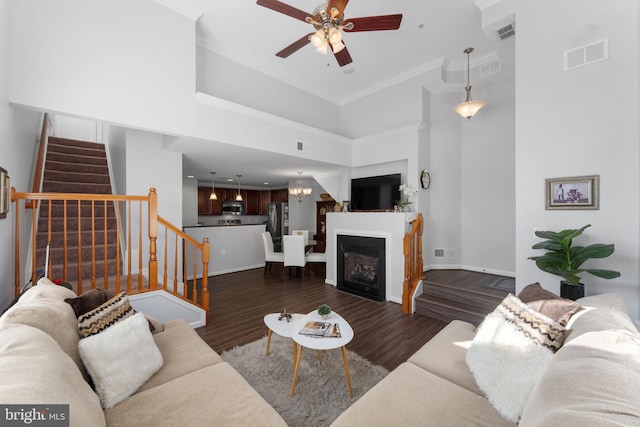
x=34 y=415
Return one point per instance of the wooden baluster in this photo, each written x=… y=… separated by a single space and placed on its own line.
x=204 y=299
x=79 y=247
x=16 y=261
x=153 y=235
x=116 y=210
x=93 y=244
x=129 y=263
x=34 y=228
x=140 y=277
x=165 y=263
x=65 y=259
x=175 y=265
x=105 y=245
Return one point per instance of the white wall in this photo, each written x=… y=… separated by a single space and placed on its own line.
x=579 y=122
x=19 y=131
x=230 y=80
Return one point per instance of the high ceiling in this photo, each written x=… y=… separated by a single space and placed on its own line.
x=431 y=32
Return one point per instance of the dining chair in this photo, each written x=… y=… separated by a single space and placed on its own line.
x=304 y=233
x=294 y=254
x=270 y=256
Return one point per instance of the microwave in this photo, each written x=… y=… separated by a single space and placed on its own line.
x=232 y=208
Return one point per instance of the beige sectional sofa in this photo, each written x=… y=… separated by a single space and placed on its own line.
x=40 y=364
x=593 y=379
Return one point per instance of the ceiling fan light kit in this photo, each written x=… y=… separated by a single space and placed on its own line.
x=329 y=23
x=469 y=107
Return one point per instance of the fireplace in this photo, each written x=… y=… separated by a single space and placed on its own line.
x=361 y=266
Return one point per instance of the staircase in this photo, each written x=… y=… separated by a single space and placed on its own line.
x=76 y=167
x=449 y=295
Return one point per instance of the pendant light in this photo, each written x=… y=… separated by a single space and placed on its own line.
x=213 y=195
x=468 y=108
x=300 y=192
x=238 y=196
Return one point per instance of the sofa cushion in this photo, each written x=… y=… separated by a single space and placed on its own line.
x=179 y=343
x=599 y=312
x=411 y=396
x=120 y=358
x=592 y=380
x=46 y=289
x=89 y=300
x=509 y=353
x=43 y=307
x=444 y=355
x=548 y=303
x=216 y=395
x=34 y=370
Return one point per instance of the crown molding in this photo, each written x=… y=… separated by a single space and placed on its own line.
x=183 y=7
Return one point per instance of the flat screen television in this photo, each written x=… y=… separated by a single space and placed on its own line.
x=375 y=192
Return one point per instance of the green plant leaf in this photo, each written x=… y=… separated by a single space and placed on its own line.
x=604 y=274
x=548 y=245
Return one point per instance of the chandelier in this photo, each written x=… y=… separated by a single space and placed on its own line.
x=468 y=108
x=328 y=30
x=298 y=191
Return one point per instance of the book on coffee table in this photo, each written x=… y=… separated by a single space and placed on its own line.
x=321 y=329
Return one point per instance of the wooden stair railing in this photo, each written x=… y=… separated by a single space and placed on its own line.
x=39 y=169
x=412 y=249
x=93 y=242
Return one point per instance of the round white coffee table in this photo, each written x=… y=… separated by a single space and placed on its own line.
x=280 y=327
x=319 y=344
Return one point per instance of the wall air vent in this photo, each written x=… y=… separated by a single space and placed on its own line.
x=587 y=54
x=506 y=31
x=444 y=253
x=299 y=146
x=490 y=68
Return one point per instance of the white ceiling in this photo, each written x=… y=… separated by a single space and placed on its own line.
x=431 y=32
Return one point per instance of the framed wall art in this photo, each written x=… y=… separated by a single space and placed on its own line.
x=577 y=192
x=5 y=193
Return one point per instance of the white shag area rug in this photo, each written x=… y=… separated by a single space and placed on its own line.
x=321 y=393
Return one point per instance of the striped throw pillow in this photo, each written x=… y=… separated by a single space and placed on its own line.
x=104 y=316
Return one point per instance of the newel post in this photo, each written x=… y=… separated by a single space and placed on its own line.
x=153 y=236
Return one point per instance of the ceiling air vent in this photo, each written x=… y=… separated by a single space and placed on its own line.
x=490 y=68
x=506 y=31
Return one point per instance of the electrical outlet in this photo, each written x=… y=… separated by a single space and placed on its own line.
x=223 y=252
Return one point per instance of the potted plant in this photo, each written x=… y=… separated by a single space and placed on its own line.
x=405 y=192
x=565 y=260
x=324 y=311
x=337 y=207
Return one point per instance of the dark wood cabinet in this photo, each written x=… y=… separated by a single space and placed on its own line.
x=322 y=208
x=281 y=195
x=264 y=198
x=204 y=205
x=251 y=201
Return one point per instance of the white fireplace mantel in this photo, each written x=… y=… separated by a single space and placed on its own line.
x=391 y=226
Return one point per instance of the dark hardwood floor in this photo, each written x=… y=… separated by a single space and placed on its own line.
x=238 y=302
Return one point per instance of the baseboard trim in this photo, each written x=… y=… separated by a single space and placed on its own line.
x=470 y=268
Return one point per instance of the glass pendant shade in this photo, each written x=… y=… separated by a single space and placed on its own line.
x=469 y=107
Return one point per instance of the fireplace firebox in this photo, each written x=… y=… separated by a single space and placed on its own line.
x=361 y=266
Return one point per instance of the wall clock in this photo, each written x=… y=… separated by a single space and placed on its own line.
x=425 y=179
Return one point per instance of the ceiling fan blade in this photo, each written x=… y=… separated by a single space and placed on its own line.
x=339 y=5
x=343 y=57
x=293 y=47
x=374 y=23
x=284 y=8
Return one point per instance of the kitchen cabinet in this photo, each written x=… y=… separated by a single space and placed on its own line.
x=251 y=201
x=209 y=207
x=322 y=208
x=264 y=198
x=281 y=195
x=204 y=205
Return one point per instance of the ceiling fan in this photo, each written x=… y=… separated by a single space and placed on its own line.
x=328 y=21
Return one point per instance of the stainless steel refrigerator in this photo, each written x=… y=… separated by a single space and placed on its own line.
x=278 y=223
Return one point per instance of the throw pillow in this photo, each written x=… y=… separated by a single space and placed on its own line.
x=120 y=358
x=104 y=316
x=509 y=353
x=89 y=300
x=548 y=303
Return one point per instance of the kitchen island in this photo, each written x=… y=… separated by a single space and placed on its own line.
x=233 y=248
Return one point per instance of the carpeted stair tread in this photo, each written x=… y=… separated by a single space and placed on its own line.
x=61 y=166
x=67 y=142
x=56 y=239
x=77 y=151
x=67 y=158
x=80 y=188
x=73 y=176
